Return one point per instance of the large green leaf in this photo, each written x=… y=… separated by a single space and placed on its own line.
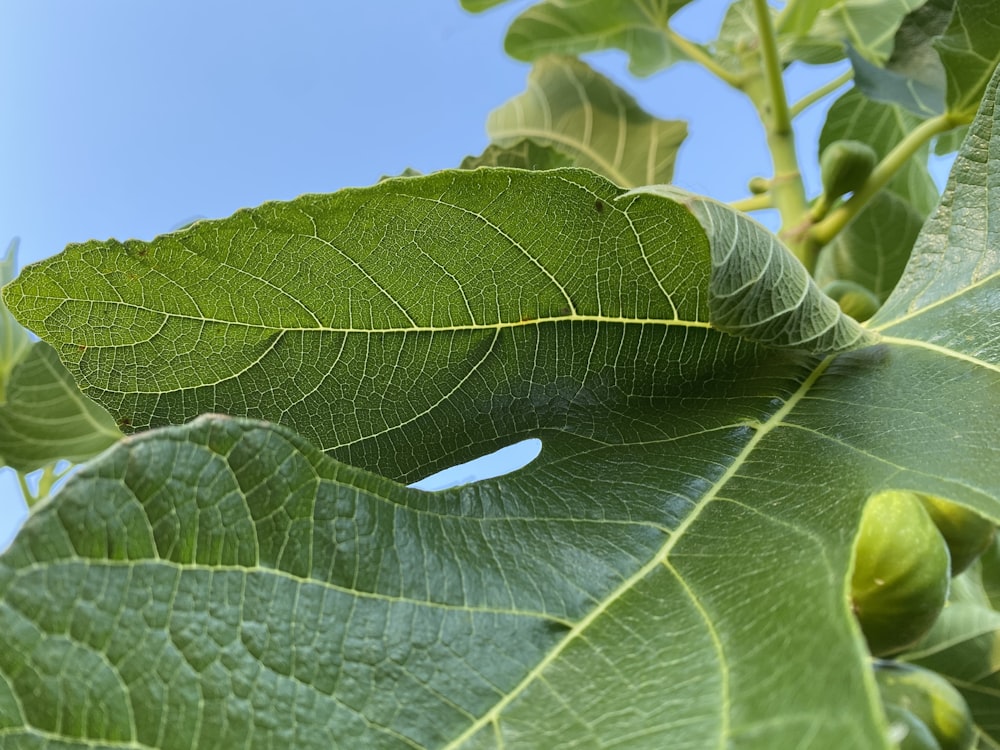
x=573 y=27
x=576 y=110
x=816 y=31
x=441 y=269
x=970 y=51
x=669 y=572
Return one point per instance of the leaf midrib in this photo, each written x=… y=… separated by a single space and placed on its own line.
x=420 y=329
x=660 y=558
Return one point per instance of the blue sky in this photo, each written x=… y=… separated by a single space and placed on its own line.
x=127 y=119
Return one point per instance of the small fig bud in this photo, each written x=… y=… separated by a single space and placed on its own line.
x=854 y=299
x=901 y=572
x=930 y=698
x=966 y=533
x=844 y=167
x=759 y=185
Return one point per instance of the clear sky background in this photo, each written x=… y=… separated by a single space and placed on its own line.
x=127 y=119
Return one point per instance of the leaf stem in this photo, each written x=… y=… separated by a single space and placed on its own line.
x=781 y=121
x=699 y=55
x=753 y=203
x=822 y=232
x=26 y=493
x=767 y=91
x=809 y=99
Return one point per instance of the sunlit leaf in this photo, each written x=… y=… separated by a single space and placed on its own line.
x=576 y=110
x=574 y=27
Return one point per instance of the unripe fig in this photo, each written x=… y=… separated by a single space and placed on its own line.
x=759 y=185
x=931 y=699
x=854 y=299
x=908 y=731
x=901 y=572
x=844 y=167
x=966 y=533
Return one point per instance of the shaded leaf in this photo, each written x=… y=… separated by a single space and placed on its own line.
x=816 y=31
x=856 y=117
x=964 y=645
x=970 y=51
x=574 y=27
x=526 y=154
x=745 y=296
x=874 y=248
x=576 y=110
x=950 y=142
x=885 y=85
x=46 y=418
x=914 y=76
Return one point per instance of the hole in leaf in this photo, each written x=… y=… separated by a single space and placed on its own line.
x=496 y=464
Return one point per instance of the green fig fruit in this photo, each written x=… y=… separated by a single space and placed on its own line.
x=854 y=299
x=931 y=699
x=908 y=732
x=966 y=533
x=901 y=572
x=844 y=167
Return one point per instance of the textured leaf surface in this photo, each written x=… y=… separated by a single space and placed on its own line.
x=669 y=572
x=970 y=51
x=743 y=297
x=576 y=110
x=574 y=27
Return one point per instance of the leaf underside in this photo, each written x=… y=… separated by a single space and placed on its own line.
x=670 y=571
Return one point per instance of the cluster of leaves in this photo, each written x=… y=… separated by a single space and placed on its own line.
x=248 y=568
